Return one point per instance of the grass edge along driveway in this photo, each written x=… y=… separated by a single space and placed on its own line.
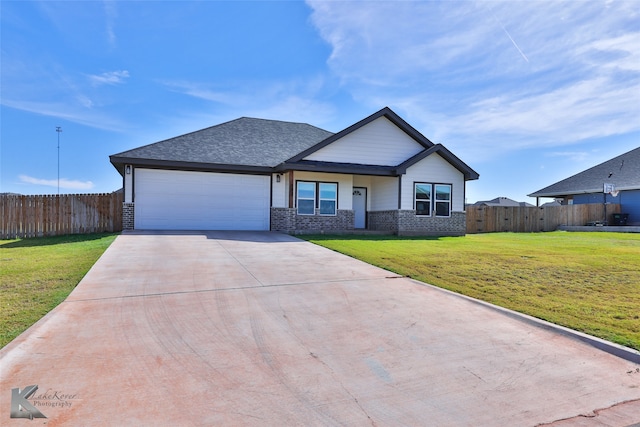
x=38 y=274
x=589 y=282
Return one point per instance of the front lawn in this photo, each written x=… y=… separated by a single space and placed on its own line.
x=38 y=274
x=585 y=281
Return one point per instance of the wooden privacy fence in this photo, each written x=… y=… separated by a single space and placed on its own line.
x=487 y=219
x=37 y=216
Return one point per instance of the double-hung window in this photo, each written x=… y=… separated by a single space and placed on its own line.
x=328 y=198
x=443 y=199
x=423 y=199
x=432 y=199
x=322 y=195
x=306 y=198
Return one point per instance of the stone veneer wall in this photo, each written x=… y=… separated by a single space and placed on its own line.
x=286 y=220
x=127 y=216
x=411 y=224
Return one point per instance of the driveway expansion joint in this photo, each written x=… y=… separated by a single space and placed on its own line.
x=594 y=414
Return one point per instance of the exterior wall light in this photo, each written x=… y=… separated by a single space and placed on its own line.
x=127 y=169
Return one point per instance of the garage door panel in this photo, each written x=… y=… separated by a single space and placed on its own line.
x=180 y=200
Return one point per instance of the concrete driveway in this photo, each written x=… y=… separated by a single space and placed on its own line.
x=231 y=328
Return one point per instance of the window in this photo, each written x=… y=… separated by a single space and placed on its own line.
x=443 y=199
x=321 y=195
x=306 y=198
x=423 y=199
x=425 y=204
x=328 y=198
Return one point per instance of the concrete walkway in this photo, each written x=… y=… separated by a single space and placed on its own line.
x=230 y=328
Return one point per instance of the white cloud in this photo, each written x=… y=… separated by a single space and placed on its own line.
x=111 y=13
x=51 y=90
x=574 y=156
x=458 y=69
x=64 y=183
x=68 y=112
x=202 y=91
x=295 y=100
x=109 y=78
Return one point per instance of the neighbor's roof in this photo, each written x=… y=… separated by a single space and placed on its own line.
x=622 y=171
x=502 y=201
x=244 y=142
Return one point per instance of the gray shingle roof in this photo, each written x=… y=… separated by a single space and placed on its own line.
x=264 y=146
x=502 y=202
x=623 y=171
x=241 y=142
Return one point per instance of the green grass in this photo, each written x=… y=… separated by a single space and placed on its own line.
x=589 y=282
x=38 y=274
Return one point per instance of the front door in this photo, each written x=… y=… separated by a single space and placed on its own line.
x=360 y=207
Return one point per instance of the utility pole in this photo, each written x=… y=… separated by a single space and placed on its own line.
x=58 y=129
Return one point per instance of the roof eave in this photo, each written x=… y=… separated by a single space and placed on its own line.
x=578 y=192
x=119 y=162
x=337 y=168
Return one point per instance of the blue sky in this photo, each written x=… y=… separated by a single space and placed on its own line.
x=525 y=92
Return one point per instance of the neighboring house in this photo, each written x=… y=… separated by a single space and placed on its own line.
x=256 y=174
x=623 y=172
x=551 y=204
x=503 y=202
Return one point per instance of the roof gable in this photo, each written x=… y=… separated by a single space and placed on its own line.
x=623 y=171
x=409 y=138
x=379 y=142
x=442 y=151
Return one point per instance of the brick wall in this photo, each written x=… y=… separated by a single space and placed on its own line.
x=406 y=222
x=403 y=222
x=383 y=221
x=286 y=220
x=283 y=219
x=127 y=216
x=411 y=224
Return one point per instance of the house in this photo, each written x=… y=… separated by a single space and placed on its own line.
x=256 y=174
x=503 y=202
x=551 y=204
x=616 y=181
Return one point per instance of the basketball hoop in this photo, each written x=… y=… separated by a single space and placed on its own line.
x=609 y=188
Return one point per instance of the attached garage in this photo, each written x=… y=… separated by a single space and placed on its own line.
x=183 y=200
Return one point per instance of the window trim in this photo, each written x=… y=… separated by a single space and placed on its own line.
x=433 y=199
x=317 y=198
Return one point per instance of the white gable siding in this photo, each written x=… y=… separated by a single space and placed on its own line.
x=384 y=195
x=434 y=169
x=345 y=185
x=377 y=143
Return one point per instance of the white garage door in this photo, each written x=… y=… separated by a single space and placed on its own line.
x=178 y=200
